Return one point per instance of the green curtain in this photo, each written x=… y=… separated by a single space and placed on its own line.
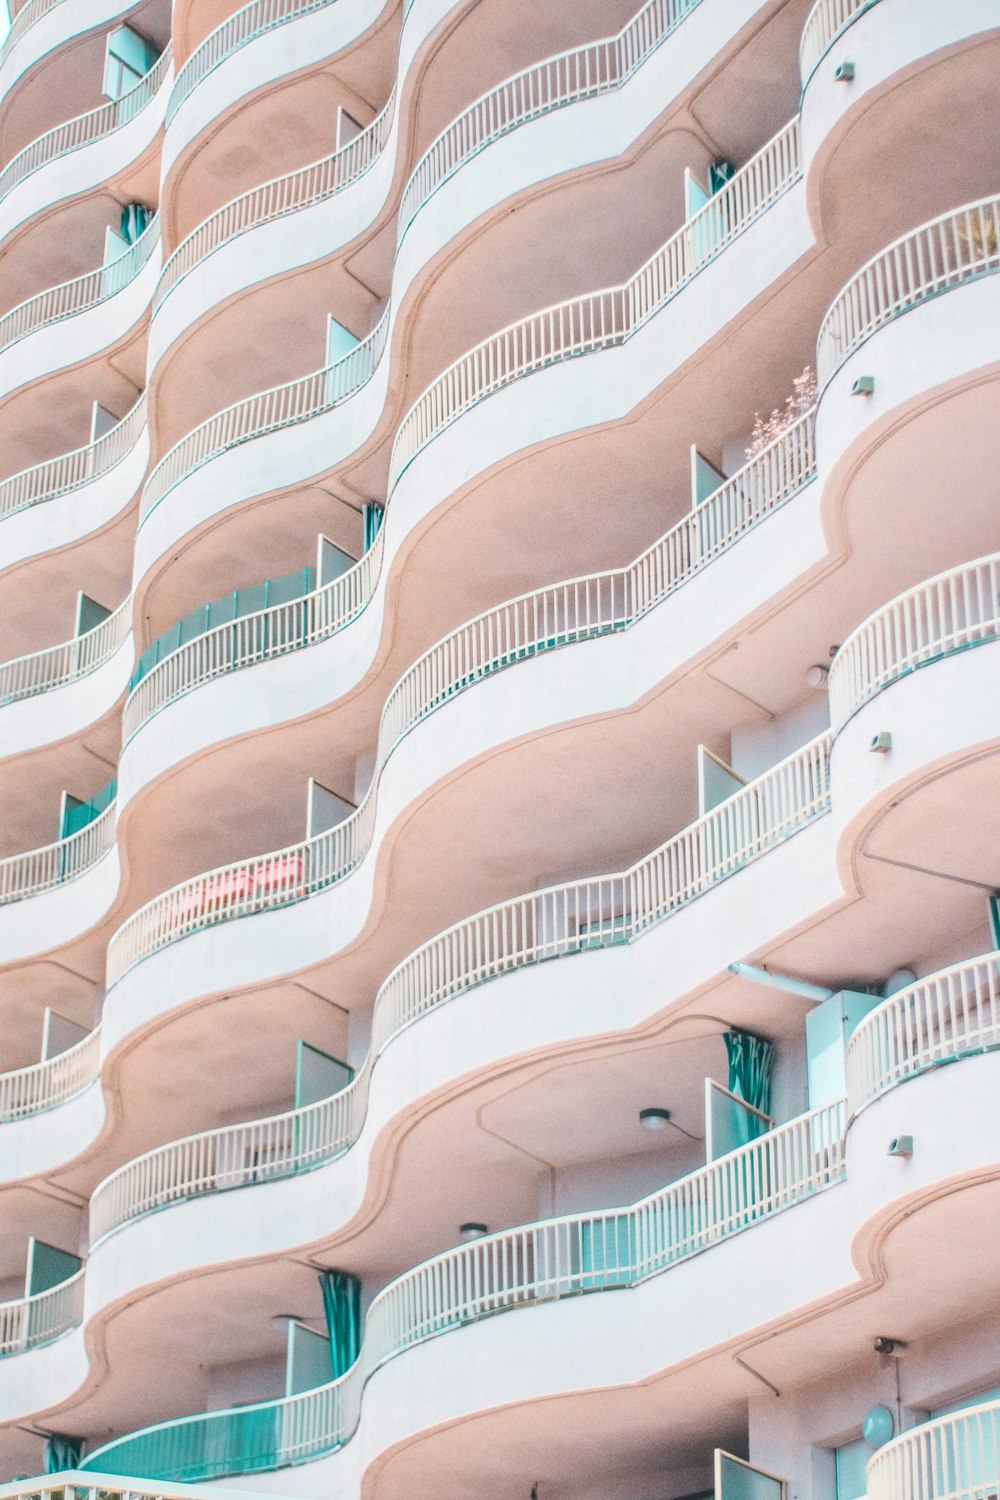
x=342 y=1305
x=62 y=1453
x=373 y=521
x=135 y=218
x=750 y=1063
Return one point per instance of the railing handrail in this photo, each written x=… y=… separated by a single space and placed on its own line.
x=42 y=1085
x=867 y=299
x=26 y=1322
x=762 y=484
x=548 y=1259
x=55 y=666
x=954 y=1457
x=545 y=923
x=941 y=615
x=84 y=129
x=950 y=1014
x=81 y=293
x=37 y=870
x=601 y=319
x=59 y=476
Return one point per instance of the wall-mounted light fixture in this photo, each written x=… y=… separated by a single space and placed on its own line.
x=472 y=1231
x=654 y=1119
x=816 y=677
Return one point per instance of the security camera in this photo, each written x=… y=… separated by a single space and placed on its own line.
x=883 y=1345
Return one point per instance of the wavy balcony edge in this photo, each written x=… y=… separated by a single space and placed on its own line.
x=514 y=1268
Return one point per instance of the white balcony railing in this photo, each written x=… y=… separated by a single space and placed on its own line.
x=29 y=1091
x=948 y=252
x=85 y=129
x=824 y=23
x=570 y=918
x=81 y=294
x=93 y=1486
x=568 y=611
x=23 y=875
x=27 y=676
x=35 y=1320
x=955 y=610
x=249 y=23
x=566 y=78
x=949 y=1015
x=952 y=1458
x=59 y=476
x=284 y=406
x=296 y=190
x=600 y=320
x=582 y=325
x=515 y=1268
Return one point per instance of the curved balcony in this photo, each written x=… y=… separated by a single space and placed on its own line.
x=284 y=406
x=27 y=676
x=86 y=129
x=579 y=326
x=31 y=1321
x=953 y=612
x=575 y=917
x=571 y=76
x=516 y=1268
x=947 y=1016
x=824 y=24
x=755 y=491
x=33 y=1090
x=51 y=311
x=602 y=320
x=956 y=1457
x=24 y=875
x=949 y=251
x=72 y=471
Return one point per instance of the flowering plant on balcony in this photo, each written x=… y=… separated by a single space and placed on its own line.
x=797 y=403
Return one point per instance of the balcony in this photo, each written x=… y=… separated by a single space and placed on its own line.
x=947 y=1016
x=952 y=1458
x=954 y=612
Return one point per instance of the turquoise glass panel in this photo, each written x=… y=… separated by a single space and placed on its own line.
x=78 y=815
x=739 y=1481
x=607 y=1253
x=308 y=1363
x=234 y=606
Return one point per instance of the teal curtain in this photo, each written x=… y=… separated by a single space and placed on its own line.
x=62 y=1453
x=750 y=1063
x=135 y=218
x=342 y=1305
x=373 y=522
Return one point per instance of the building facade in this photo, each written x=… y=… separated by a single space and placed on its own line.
x=499 y=732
